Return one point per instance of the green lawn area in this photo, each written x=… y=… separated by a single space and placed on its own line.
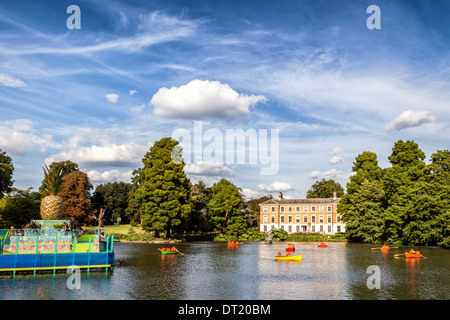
x=123 y=228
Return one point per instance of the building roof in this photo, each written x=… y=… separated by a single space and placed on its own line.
x=301 y=201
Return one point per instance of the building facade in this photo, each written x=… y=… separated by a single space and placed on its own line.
x=301 y=215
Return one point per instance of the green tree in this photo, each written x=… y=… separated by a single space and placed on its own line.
x=400 y=183
x=6 y=173
x=163 y=190
x=19 y=207
x=114 y=198
x=364 y=213
x=237 y=226
x=325 y=189
x=427 y=222
x=224 y=204
x=367 y=175
x=200 y=196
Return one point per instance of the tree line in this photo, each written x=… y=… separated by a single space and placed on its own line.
x=407 y=203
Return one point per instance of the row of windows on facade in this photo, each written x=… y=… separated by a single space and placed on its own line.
x=297 y=209
x=304 y=228
x=305 y=219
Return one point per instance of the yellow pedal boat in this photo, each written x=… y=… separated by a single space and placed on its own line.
x=297 y=257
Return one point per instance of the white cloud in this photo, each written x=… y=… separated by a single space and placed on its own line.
x=276 y=186
x=203 y=99
x=336 y=151
x=110 y=176
x=10 y=81
x=336 y=160
x=133 y=92
x=249 y=193
x=330 y=174
x=204 y=168
x=137 y=109
x=125 y=155
x=409 y=119
x=112 y=97
x=18 y=135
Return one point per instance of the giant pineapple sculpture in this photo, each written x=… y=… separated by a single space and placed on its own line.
x=52 y=206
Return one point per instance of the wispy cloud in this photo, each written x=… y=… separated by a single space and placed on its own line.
x=410 y=119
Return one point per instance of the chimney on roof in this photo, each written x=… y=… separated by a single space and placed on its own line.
x=334 y=194
x=280 y=196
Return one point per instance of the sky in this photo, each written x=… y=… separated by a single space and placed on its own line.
x=308 y=83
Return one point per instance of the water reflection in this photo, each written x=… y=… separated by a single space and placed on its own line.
x=211 y=270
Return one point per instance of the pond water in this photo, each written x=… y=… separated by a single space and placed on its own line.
x=212 y=271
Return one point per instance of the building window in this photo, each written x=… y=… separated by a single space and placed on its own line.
x=297 y=218
x=338 y=228
x=329 y=229
x=297 y=209
x=329 y=218
x=264 y=209
x=272 y=219
x=273 y=209
x=281 y=219
x=313 y=209
x=313 y=219
x=297 y=228
x=330 y=208
x=290 y=209
x=304 y=228
x=338 y=218
x=290 y=219
x=264 y=218
x=305 y=218
x=321 y=229
x=272 y=228
x=305 y=208
x=321 y=219
x=313 y=229
x=282 y=228
x=265 y=228
x=321 y=209
x=282 y=209
x=290 y=229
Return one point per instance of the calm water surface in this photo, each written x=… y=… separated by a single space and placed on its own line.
x=211 y=271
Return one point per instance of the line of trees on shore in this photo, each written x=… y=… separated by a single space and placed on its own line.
x=407 y=203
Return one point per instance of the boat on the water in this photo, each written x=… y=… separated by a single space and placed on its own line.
x=51 y=248
x=290 y=248
x=168 y=252
x=232 y=244
x=413 y=255
x=297 y=257
x=322 y=245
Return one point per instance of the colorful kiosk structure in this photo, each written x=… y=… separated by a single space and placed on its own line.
x=51 y=249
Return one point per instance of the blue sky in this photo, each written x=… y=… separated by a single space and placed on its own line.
x=137 y=71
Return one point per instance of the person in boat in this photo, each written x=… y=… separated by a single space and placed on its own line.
x=173 y=249
x=288 y=254
x=412 y=251
x=279 y=254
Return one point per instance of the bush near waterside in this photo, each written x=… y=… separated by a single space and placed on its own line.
x=313 y=237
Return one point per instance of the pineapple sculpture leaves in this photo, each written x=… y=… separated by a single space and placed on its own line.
x=52 y=206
